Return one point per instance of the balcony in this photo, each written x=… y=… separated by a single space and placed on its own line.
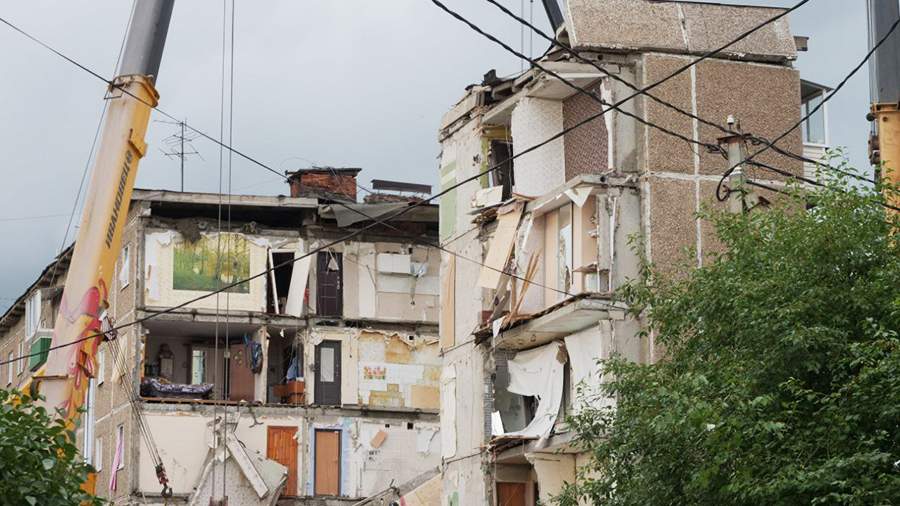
x=564 y=318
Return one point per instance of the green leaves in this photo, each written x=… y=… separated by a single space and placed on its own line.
x=38 y=461
x=782 y=379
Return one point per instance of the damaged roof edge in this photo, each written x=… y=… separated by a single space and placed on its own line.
x=682 y=27
x=215 y=198
x=12 y=314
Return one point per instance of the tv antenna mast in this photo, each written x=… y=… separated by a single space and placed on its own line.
x=179 y=145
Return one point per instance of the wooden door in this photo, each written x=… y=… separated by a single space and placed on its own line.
x=328 y=373
x=510 y=494
x=281 y=446
x=328 y=462
x=240 y=376
x=329 y=284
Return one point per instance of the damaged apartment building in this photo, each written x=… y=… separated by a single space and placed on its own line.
x=554 y=226
x=318 y=381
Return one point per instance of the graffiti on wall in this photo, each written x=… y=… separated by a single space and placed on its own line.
x=212 y=262
x=374 y=372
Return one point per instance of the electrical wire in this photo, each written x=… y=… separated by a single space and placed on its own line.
x=754 y=139
x=87 y=163
x=576 y=88
x=41 y=217
x=414 y=205
x=721 y=185
x=725 y=130
x=111 y=83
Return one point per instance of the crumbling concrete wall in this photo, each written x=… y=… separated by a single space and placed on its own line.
x=374 y=449
x=534 y=120
x=400 y=371
x=380 y=369
x=464 y=392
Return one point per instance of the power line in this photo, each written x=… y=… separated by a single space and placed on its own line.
x=579 y=56
x=41 y=217
x=754 y=139
x=441 y=247
x=578 y=89
x=112 y=84
x=54 y=51
x=87 y=163
x=414 y=205
x=727 y=173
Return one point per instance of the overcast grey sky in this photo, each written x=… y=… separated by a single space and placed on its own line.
x=335 y=82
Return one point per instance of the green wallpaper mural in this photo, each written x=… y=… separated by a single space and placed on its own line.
x=195 y=264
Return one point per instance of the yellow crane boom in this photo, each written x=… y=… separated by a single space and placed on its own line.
x=77 y=332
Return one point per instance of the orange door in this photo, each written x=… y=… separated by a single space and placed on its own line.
x=281 y=446
x=510 y=494
x=328 y=462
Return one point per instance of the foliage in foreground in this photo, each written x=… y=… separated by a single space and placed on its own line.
x=782 y=378
x=39 y=464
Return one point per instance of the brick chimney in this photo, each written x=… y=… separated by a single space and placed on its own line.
x=325 y=183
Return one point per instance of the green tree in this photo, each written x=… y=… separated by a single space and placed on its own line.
x=39 y=464
x=781 y=382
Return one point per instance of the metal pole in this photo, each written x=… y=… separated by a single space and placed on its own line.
x=884 y=79
x=182 y=156
x=734 y=145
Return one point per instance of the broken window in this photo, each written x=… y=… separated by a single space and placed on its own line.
x=125 y=266
x=286 y=290
x=279 y=280
x=515 y=411
x=536 y=373
x=503 y=175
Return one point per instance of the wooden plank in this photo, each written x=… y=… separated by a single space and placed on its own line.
x=328 y=462
x=281 y=446
x=501 y=245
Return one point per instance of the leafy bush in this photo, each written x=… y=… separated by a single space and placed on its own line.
x=781 y=382
x=39 y=463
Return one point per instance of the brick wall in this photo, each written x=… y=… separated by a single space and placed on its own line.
x=304 y=183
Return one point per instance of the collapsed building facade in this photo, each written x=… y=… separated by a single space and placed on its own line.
x=560 y=219
x=317 y=382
